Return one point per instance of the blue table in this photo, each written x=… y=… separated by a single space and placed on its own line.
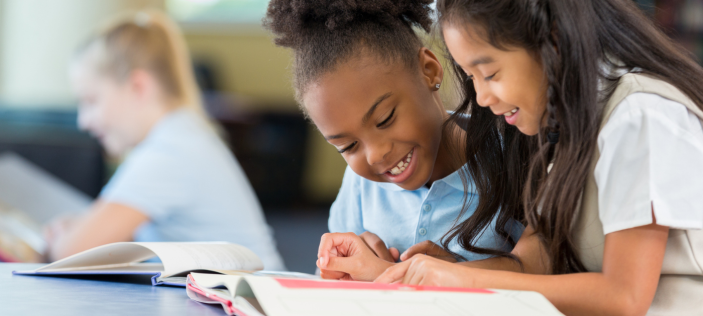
x=43 y=295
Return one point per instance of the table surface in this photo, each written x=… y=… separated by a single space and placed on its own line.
x=115 y=295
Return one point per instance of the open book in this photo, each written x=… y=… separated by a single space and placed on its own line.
x=22 y=214
x=250 y=295
x=177 y=259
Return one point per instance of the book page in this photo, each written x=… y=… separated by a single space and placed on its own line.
x=110 y=256
x=316 y=297
x=36 y=192
x=182 y=257
x=210 y=281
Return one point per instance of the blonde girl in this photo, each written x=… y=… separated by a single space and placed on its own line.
x=179 y=182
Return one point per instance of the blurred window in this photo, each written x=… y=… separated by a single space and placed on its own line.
x=217 y=11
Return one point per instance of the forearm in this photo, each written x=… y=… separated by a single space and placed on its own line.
x=529 y=250
x=572 y=294
x=104 y=224
x=79 y=238
x=496 y=263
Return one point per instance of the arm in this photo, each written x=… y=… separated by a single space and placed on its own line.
x=105 y=223
x=626 y=286
x=528 y=249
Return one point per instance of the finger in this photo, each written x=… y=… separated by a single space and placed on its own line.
x=367 y=246
x=332 y=275
x=330 y=241
x=377 y=246
x=394 y=253
x=419 y=248
x=48 y=234
x=394 y=273
x=414 y=275
x=347 y=265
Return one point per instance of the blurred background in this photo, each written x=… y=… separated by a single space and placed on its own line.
x=247 y=88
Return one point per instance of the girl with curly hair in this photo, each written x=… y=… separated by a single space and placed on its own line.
x=364 y=78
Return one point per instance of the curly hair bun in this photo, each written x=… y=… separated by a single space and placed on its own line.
x=291 y=20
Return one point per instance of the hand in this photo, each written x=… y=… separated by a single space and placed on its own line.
x=58 y=227
x=345 y=256
x=426 y=270
x=428 y=248
x=379 y=247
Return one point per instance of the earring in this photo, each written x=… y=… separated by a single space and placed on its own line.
x=437 y=86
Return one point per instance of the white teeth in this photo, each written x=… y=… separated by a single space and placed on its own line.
x=513 y=111
x=402 y=165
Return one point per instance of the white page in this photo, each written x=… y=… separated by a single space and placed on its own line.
x=209 y=281
x=180 y=257
x=279 y=301
x=176 y=257
x=36 y=192
x=110 y=256
x=206 y=282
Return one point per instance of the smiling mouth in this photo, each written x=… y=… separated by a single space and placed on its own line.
x=511 y=112
x=402 y=164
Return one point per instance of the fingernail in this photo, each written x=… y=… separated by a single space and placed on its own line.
x=322 y=262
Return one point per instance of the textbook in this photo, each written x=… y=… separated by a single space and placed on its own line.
x=22 y=214
x=177 y=260
x=249 y=295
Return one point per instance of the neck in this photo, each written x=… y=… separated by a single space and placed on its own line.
x=152 y=116
x=450 y=156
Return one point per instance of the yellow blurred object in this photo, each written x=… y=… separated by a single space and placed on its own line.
x=20 y=237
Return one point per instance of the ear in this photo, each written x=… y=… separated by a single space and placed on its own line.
x=141 y=84
x=432 y=71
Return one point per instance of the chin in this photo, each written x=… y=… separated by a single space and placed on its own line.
x=413 y=184
x=114 y=150
x=528 y=130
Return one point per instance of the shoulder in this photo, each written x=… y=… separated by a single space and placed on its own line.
x=651 y=113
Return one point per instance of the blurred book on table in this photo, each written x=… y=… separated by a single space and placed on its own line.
x=30 y=198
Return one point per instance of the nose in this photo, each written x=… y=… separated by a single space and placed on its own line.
x=377 y=151
x=84 y=120
x=484 y=95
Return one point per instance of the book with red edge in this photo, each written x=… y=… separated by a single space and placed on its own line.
x=251 y=295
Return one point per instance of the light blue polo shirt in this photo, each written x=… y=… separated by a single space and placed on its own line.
x=192 y=188
x=403 y=218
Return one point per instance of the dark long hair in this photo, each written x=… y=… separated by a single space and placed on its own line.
x=573 y=40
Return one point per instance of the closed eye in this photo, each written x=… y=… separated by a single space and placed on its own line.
x=490 y=77
x=341 y=151
x=387 y=119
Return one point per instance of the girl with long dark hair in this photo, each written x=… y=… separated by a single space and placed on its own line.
x=598 y=115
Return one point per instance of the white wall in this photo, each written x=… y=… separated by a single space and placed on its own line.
x=2 y=18
x=37 y=37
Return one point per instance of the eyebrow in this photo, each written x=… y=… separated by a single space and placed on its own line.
x=481 y=61
x=367 y=116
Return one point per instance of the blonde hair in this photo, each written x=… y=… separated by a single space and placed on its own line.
x=151 y=41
